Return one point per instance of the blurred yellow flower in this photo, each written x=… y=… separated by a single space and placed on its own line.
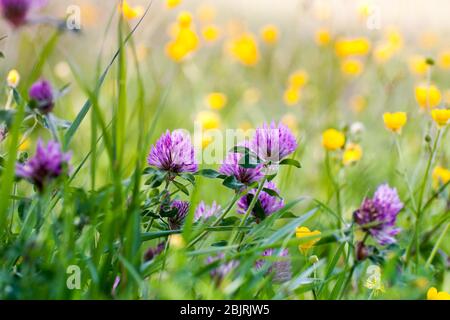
x=444 y=59
x=172 y=3
x=303 y=232
x=358 y=103
x=418 y=65
x=427 y=96
x=62 y=70
x=206 y=13
x=440 y=175
x=13 y=78
x=351 y=67
x=441 y=116
x=394 y=38
x=291 y=96
x=244 y=49
x=395 y=121
x=211 y=33
x=206 y=140
x=184 y=19
x=24 y=144
x=345 y=47
x=185 y=41
x=322 y=37
x=352 y=154
x=130 y=12
x=333 y=139
x=245 y=125
x=291 y=121
x=383 y=52
x=269 y=34
x=298 y=79
x=433 y=294
x=216 y=100
x=208 y=119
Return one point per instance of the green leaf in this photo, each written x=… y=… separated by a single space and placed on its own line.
x=271 y=192
x=210 y=173
x=291 y=162
x=232 y=183
x=181 y=187
x=158 y=234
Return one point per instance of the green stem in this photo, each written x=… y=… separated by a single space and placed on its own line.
x=436 y=246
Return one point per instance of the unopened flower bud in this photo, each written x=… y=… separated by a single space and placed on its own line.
x=313 y=259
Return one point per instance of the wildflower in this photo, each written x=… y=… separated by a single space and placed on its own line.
x=153 y=252
x=182 y=209
x=184 y=38
x=184 y=19
x=378 y=215
x=298 y=79
x=208 y=119
x=444 y=60
x=224 y=268
x=16 y=11
x=204 y=212
x=352 y=153
x=383 y=52
x=427 y=96
x=211 y=33
x=373 y=281
x=273 y=143
x=173 y=152
x=395 y=121
x=269 y=34
x=346 y=47
x=394 y=38
x=172 y=3
x=433 y=294
x=418 y=65
x=41 y=93
x=441 y=116
x=48 y=164
x=130 y=12
x=440 y=175
x=357 y=128
x=13 y=78
x=281 y=269
x=303 y=232
x=207 y=139
x=333 y=139
x=244 y=49
x=216 y=100
x=291 y=96
x=322 y=37
x=176 y=241
x=24 y=144
x=351 y=67
x=232 y=167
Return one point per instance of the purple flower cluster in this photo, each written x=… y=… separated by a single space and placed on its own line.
x=379 y=214
x=204 y=212
x=267 y=203
x=173 y=152
x=281 y=268
x=232 y=167
x=16 y=11
x=177 y=220
x=41 y=93
x=223 y=269
x=47 y=164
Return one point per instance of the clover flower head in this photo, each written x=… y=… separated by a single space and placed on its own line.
x=223 y=269
x=204 y=211
x=267 y=204
x=232 y=167
x=177 y=220
x=16 y=11
x=281 y=268
x=41 y=92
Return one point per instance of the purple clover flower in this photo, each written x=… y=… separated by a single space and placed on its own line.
x=16 y=11
x=379 y=214
x=273 y=143
x=223 y=269
x=267 y=203
x=204 y=212
x=173 y=152
x=154 y=251
x=281 y=268
x=182 y=207
x=47 y=164
x=41 y=93
x=232 y=167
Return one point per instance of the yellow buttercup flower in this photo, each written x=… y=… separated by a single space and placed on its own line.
x=383 y=52
x=24 y=144
x=208 y=120
x=303 y=232
x=322 y=37
x=269 y=34
x=130 y=12
x=427 y=96
x=433 y=294
x=352 y=67
x=298 y=79
x=216 y=100
x=211 y=33
x=345 y=47
x=244 y=49
x=291 y=96
x=418 y=65
x=184 y=19
x=185 y=42
x=395 y=121
x=333 y=139
x=441 y=116
x=206 y=140
x=352 y=154
x=13 y=78
x=440 y=175
x=172 y=3
x=394 y=38
x=444 y=59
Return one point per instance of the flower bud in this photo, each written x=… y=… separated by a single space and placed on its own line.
x=362 y=252
x=313 y=259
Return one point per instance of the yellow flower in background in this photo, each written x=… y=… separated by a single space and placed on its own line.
x=206 y=140
x=62 y=70
x=206 y=13
x=352 y=154
x=447 y=96
x=245 y=125
x=244 y=49
x=184 y=19
x=428 y=40
x=303 y=232
x=24 y=144
x=395 y=121
x=322 y=37
x=208 y=120
x=358 y=103
x=418 y=65
x=333 y=139
x=13 y=78
x=351 y=67
x=211 y=33
x=291 y=96
x=440 y=175
x=345 y=47
x=441 y=116
x=394 y=38
x=185 y=43
x=427 y=96
x=383 y=52
x=269 y=34
x=130 y=12
x=363 y=10
x=216 y=100
x=291 y=121
x=298 y=79
x=444 y=59
x=433 y=294
x=172 y=3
